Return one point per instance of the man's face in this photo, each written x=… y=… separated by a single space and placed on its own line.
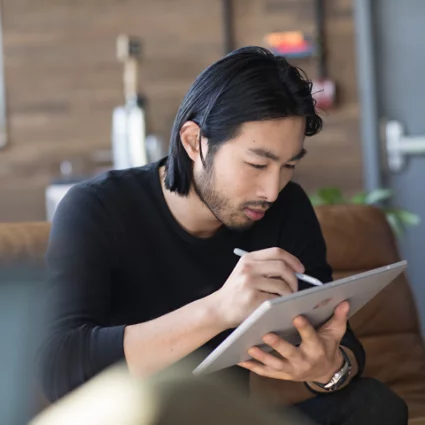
x=245 y=176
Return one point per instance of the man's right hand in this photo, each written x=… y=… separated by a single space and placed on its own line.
x=258 y=276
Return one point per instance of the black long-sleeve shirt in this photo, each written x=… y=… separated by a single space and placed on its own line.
x=117 y=257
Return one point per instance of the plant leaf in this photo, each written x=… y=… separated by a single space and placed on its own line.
x=331 y=195
x=359 y=198
x=406 y=217
x=378 y=195
x=316 y=200
x=394 y=223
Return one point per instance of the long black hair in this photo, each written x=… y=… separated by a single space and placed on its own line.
x=249 y=84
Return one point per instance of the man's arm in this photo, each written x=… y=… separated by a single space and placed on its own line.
x=80 y=343
x=152 y=346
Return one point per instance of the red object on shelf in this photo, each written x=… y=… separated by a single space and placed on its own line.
x=292 y=44
x=324 y=93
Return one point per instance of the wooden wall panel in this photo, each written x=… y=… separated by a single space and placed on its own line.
x=63 y=81
x=334 y=156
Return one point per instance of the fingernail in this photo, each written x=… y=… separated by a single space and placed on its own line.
x=345 y=306
x=299 y=321
x=270 y=339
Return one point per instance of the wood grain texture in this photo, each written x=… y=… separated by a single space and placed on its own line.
x=63 y=81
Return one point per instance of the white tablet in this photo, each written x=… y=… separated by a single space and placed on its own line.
x=317 y=304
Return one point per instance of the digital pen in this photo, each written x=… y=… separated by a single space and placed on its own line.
x=301 y=276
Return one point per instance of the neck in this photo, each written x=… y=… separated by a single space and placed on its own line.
x=190 y=212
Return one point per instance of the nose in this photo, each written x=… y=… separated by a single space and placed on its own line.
x=270 y=186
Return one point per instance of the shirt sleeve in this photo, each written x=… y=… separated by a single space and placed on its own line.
x=310 y=249
x=79 y=343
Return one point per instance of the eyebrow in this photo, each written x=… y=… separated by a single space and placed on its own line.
x=270 y=155
x=301 y=154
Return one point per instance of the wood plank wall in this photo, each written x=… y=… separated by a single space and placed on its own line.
x=63 y=81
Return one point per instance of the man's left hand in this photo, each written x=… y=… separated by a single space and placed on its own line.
x=316 y=359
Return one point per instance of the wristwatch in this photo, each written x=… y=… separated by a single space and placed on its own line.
x=340 y=376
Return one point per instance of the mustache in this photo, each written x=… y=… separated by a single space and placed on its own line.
x=263 y=205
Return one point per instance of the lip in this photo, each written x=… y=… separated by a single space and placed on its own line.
x=254 y=215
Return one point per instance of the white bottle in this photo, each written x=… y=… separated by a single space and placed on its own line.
x=129 y=121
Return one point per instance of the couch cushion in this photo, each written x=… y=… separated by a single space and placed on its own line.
x=357 y=236
x=23 y=243
x=399 y=361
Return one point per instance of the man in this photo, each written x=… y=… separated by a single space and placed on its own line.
x=141 y=261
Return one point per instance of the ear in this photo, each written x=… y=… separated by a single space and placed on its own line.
x=189 y=136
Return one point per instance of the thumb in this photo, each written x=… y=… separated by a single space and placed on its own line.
x=341 y=312
x=337 y=324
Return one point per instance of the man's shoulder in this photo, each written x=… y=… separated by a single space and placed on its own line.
x=293 y=195
x=114 y=178
x=118 y=182
x=114 y=191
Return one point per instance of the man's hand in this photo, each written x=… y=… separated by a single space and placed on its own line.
x=258 y=276
x=316 y=359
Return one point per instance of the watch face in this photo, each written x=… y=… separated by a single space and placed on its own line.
x=343 y=378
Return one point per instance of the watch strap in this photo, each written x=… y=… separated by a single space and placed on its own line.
x=339 y=377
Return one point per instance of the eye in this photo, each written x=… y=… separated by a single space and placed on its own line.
x=257 y=166
x=290 y=166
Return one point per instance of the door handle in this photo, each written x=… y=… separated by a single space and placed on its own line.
x=399 y=146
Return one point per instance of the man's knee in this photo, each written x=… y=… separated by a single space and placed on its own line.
x=381 y=399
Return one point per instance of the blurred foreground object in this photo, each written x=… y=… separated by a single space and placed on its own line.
x=174 y=398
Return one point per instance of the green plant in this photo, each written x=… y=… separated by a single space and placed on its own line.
x=398 y=218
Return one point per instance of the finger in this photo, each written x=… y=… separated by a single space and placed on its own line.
x=284 y=348
x=269 y=360
x=337 y=324
x=255 y=367
x=342 y=310
x=278 y=254
x=272 y=286
x=340 y=316
x=308 y=334
x=266 y=296
x=277 y=269
x=262 y=370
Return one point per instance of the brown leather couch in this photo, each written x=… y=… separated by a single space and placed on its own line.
x=358 y=239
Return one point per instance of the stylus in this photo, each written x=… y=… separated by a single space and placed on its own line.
x=301 y=276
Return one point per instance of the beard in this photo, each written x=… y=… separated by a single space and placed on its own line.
x=220 y=206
